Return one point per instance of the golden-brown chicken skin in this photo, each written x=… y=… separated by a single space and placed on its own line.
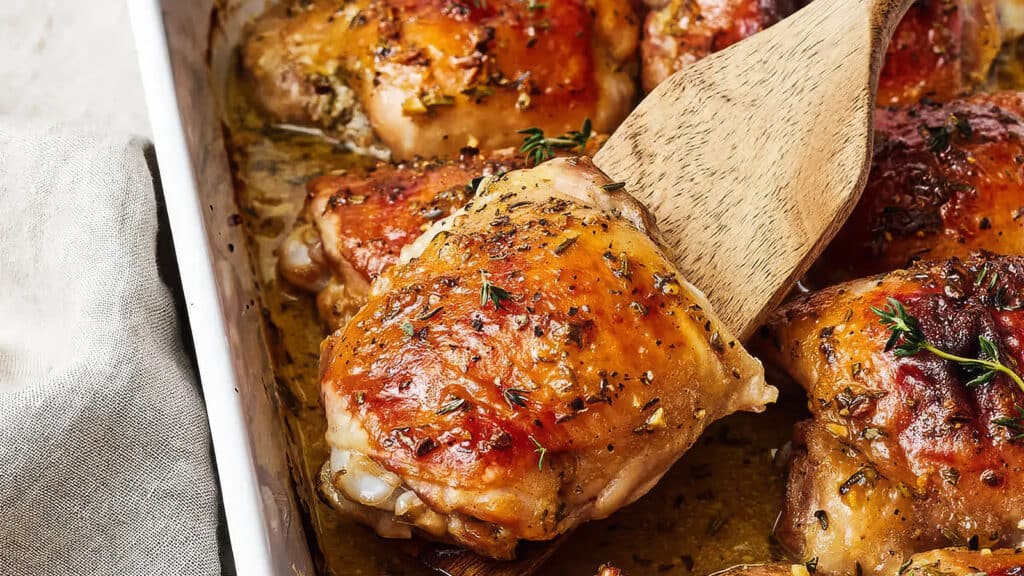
x=945 y=180
x=355 y=224
x=431 y=76
x=902 y=455
x=677 y=33
x=608 y=570
x=943 y=562
x=533 y=363
x=941 y=49
x=963 y=562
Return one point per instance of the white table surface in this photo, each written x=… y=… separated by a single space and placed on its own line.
x=70 y=60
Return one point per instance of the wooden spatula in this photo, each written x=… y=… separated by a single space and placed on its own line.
x=750 y=159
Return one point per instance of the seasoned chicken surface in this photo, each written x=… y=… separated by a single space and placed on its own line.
x=534 y=362
x=961 y=562
x=945 y=180
x=941 y=49
x=677 y=33
x=354 y=224
x=428 y=77
x=944 y=562
x=905 y=453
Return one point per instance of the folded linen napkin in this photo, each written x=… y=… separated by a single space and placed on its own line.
x=105 y=464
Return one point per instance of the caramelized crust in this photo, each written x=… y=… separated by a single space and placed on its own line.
x=946 y=180
x=677 y=33
x=941 y=49
x=961 y=562
x=902 y=455
x=534 y=364
x=355 y=224
x=431 y=76
x=944 y=562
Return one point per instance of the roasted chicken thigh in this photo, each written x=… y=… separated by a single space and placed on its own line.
x=941 y=49
x=355 y=224
x=533 y=362
x=677 y=33
x=946 y=180
x=907 y=451
x=427 y=77
x=943 y=562
x=961 y=562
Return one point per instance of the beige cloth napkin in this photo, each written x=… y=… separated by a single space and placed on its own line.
x=105 y=464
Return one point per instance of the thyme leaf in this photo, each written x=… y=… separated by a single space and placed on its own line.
x=451 y=406
x=491 y=293
x=565 y=245
x=514 y=397
x=539 y=450
x=1013 y=424
x=538 y=148
x=430 y=313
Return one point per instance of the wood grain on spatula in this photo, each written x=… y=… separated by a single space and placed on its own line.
x=750 y=159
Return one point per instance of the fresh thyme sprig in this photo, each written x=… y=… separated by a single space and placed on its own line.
x=452 y=405
x=539 y=148
x=907 y=339
x=514 y=397
x=1015 y=424
x=539 y=450
x=491 y=293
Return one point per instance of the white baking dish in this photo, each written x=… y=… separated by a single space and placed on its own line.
x=180 y=63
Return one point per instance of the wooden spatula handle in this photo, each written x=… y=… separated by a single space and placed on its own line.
x=728 y=153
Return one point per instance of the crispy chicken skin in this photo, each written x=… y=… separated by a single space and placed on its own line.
x=961 y=562
x=902 y=455
x=677 y=33
x=431 y=76
x=533 y=363
x=941 y=49
x=776 y=569
x=945 y=180
x=355 y=224
x=943 y=562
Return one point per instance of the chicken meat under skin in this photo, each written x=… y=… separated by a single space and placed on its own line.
x=946 y=180
x=534 y=362
x=425 y=78
x=354 y=223
x=902 y=455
